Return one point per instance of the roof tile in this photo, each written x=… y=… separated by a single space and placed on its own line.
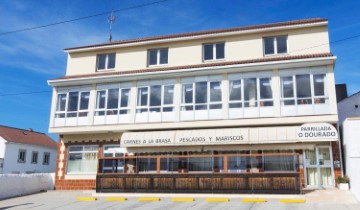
x=190 y=34
x=26 y=137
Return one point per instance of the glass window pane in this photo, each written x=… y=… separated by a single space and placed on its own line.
x=235 y=90
x=168 y=94
x=84 y=100
x=269 y=45
x=142 y=96
x=73 y=101
x=220 y=51
x=281 y=44
x=303 y=89
x=113 y=99
x=187 y=93
x=101 y=62
x=61 y=102
x=215 y=106
x=265 y=88
x=152 y=57
x=100 y=99
x=111 y=61
x=235 y=105
x=215 y=91
x=124 y=98
x=319 y=85
x=155 y=95
x=168 y=109
x=163 y=56
x=208 y=52
x=287 y=87
x=200 y=107
x=201 y=92
x=250 y=92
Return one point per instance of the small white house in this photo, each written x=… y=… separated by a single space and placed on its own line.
x=26 y=151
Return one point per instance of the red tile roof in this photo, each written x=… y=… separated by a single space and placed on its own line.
x=217 y=31
x=26 y=137
x=203 y=65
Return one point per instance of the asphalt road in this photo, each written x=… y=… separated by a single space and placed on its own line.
x=67 y=200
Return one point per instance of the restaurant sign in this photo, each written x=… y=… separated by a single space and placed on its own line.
x=317 y=132
x=185 y=137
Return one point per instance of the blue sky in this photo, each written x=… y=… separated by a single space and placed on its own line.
x=28 y=59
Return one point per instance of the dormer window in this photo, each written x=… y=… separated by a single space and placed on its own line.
x=214 y=51
x=275 y=45
x=158 y=57
x=106 y=62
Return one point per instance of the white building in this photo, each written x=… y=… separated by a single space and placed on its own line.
x=254 y=104
x=349 y=123
x=26 y=151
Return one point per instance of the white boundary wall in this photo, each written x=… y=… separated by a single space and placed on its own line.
x=22 y=184
x=351 y=137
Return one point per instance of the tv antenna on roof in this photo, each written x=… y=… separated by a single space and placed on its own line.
x=111 y=20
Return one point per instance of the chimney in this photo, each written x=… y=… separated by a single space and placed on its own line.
x=31 y=130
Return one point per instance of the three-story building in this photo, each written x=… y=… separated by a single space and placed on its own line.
x=247 y=106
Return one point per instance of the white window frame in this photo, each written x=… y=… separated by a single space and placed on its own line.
x=214 y=51
x=312 y=108
x=312 y=98
x=32 y=157
x=22 y=160
x=208 y=103
x=106 y=62
x=46 y=158
x=82 y=153
x=162 y=105
x=119 y=108
x=78 y=111
x=158 y=57
x=275 y=45
x=242 y=78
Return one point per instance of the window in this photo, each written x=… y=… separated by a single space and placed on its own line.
x=201 y=95
x=214 y=51
x=113 y=165
x=157 y=57
x=106 y=61
x=250 y=92
x=303 y=89
x=82 y=159
x=46 y=158
x=72 y=104
x=22 y=156
x=155 y=98
x=275 y=45
x=113 y=101
x=34 y=157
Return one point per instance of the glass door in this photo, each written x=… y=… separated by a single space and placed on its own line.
x=325 y=166
x=318 y=167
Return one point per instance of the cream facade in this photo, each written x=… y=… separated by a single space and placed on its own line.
x=232 y=91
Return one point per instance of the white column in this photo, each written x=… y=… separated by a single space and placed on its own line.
x=133 y=96
x=276 y=92
x=225 y=96
x=92 y=102
x=53 y=107
x=330 y=85
x=177 y=98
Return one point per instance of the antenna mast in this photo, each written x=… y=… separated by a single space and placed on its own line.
x=111 y=20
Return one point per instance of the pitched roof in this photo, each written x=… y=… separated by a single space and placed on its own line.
x=203 y=65
x=208 y=32
x=26 y=137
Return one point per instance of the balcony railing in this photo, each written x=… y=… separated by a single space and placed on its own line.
x=232 y=173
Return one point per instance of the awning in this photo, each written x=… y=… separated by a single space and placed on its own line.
x=306 y=133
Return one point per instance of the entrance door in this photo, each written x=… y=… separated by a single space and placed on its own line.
x=318 y=167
